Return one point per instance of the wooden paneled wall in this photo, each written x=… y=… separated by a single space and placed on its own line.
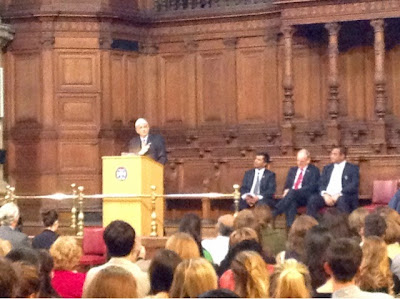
x=213 y=87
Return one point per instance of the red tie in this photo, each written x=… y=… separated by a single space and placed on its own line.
x=299 y=180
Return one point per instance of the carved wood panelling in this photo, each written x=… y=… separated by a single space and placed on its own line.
x=78 y=111
x=78 y=71
x=393 y=80
x=25 y=87
x=78 y=157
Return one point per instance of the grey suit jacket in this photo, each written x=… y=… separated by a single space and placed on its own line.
x=16 y=238
x=355 y=292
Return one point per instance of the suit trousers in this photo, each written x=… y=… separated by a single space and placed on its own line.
x=345 y=203
x=290 y=203
x=265 y=201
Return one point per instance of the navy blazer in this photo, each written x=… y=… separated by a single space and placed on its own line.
x=310 y=181
x=267 y=184
x=350 y=179
x=156 y=150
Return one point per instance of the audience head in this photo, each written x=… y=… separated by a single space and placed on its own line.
x=375 y=225
x=8 y=279
x=242 y=234
x=119 y=237
x=375 y=271
x=191 y=224
x=245 y=218
x=316 y=244
x=337 y=223
x=5 y=247
x=298 y=232
x=225 y=225
x=50 y=218
x=66 y=253
x=29 y=281
x=343 y=259
x=142 y=127
x=24 y=254
x=184 y=245
x=261 y=160
x=392 y=218
x=45 y=274
x=357 y=220
x=193 y=277
x=112 y=282
x=219 y=293
x=251 y=275
x=9 y=214
x=263 y=216
x=303 y=158
x=338 y=154
x=161 y=271
x=291 y=280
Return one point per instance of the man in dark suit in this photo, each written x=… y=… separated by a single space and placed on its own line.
x=259 y=184
x=338 y=185
x=9 y=215
x=301 y=183
x=146 y=144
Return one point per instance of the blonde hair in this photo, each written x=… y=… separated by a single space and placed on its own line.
x=375 y=269
x=5 y=247
x=297 y=233
x=66 y=253
x=291 y=280
x=193 y=277
x=357 y=219
x=241 y=234
x=112 y=282
x=251 y=275
x=184 y=245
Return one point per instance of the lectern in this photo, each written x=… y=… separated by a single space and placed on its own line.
x=133 y=175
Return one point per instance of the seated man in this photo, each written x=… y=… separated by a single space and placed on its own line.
x=343 y=262
x=338 y=185
x=301 y=184
x=9 y=215
x=46 y=238
x=259 y=184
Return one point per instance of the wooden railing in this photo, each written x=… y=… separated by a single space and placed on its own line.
x=77 y=196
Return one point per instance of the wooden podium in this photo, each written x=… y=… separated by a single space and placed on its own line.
x=133 y=175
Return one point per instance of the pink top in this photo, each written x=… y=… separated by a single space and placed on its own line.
x=68 y=284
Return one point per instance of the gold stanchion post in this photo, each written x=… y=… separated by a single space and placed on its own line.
x=153 y=224
x=80 y=214
x=236 y=198
x=73 y=209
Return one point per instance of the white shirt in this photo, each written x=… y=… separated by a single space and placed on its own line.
x=335 y=182
x=257 y=175
x=297 y=176
x=218 y=248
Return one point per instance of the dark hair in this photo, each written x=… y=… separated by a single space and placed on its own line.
x=267 y=159
x=49 y=217
x=375 y=225
x=119 y=237
x=337 y=223
x=29 y=281
x=344 y=258
x=342 y=150
x=46 y=266
x=191 y=224
x=8 y=279
x=316 y=243
x=219 y=293
x=161 y=270
x=225 y=230
x=24 y=254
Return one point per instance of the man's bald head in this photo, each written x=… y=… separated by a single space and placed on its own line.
x=303 y=158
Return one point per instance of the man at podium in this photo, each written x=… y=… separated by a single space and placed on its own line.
x=152 y=145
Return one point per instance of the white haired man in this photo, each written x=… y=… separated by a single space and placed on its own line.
x=146 y=144
x=9 y=215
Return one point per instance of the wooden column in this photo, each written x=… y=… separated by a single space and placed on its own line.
x=333 y=127
x=379 y=143
x=288 y=102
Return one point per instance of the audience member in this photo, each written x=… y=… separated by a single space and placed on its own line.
x=375 y=225
x=66 y=254
x=193 y=277
x=337 y=222
x=295 y=244
x=241 y=234
x=26 y=255
x=161 y=272
x=111 y=282
x=219 y=293
x=316 y=243
x=45 y=273
x=219 y=246
x=374 y=274
x=251 y=277
x=343 y=262
x=184 y=245
x=191 y=224
x=9 y=216
x=28 y=280
x=357 y=220
x=291 y=280
x=8 y=279
x=46 y=238
x=123 y=247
